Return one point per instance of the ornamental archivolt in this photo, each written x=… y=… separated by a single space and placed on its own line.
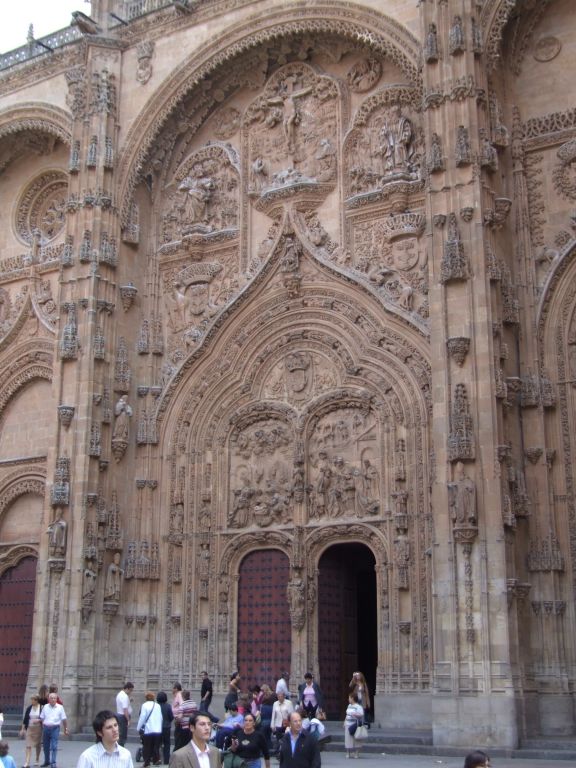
x=564 y=174
x=41 y=210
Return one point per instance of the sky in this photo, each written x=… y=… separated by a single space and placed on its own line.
x=46 y=15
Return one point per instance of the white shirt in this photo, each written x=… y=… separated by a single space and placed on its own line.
x=52 y=715
x=203 y=756
x=154 y=723
x=280 y=712
x=122 y=703
x=282 y=687
x=96 y=756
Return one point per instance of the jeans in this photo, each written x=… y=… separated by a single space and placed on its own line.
x=50 y=736
x=122 y=729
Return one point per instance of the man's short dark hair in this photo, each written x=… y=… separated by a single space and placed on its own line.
x=475 y=759
x=308 y=676
x=128 y=686
x=193 y=718
x=100 y=719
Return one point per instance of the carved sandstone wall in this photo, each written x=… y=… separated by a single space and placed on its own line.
x=299 y=274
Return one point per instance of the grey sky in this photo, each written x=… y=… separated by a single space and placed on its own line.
x=45 y=16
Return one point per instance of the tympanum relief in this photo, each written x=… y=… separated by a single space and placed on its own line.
x=336 y=471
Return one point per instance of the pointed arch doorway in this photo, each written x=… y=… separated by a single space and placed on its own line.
x=347 y=622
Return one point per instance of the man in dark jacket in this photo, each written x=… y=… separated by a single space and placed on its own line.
x=298 y=749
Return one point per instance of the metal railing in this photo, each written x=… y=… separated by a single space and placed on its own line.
x=127 y=11
x=39 y=47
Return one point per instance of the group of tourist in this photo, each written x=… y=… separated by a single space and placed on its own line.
x=254 y=727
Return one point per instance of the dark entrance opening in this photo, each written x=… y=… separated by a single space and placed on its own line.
x=17 y=586
x=347 y=628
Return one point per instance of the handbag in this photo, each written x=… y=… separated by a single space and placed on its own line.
x=139 y=755
x=361 y=733
x=142 y=730
x=353 y=728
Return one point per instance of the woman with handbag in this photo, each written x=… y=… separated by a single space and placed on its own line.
x=150 y=730
x=250 y=744
x=359 y=686
x=353 y=721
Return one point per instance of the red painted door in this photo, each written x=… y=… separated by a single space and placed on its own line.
x=17 y=586
x=264 y=632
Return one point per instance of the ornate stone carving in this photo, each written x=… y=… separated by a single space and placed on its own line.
x=431 y=53
x=122 y=370
x=287 y=124
x=296 y=595
x=458 y=347
x=463 y=152
x=456 y=42
x=436 y=162
x=454 y=263
x=364 y=75
x=121 y=434
x=462 y=499
x=383 y=148
x=113 y=584
x=57 y=534
x=69 y=340
x=42 y=208
x=144 y=53
x=204 y=194
x=128 y=293
x=461 y=443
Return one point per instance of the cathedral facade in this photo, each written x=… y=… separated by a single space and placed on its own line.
x=288 y=355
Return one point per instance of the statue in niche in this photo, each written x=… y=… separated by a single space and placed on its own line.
x=177 y=305
x=113 y=585
x=199 y=188
x=296 y=593
x=240 y=515
x=462 y=498
x=89 y=581
x=123 y=413
x=57 y=534
x=370 y=480
x=402 y=561
x=395 y=137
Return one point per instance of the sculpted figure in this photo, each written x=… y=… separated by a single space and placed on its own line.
x=113 y=585
x=123 y=413
x=57 y=534
x=200 y=189
x=462 y=495
x=290 y=112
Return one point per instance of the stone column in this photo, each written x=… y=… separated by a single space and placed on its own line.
x=472 y=698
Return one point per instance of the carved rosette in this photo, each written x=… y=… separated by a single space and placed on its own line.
x=42 y=208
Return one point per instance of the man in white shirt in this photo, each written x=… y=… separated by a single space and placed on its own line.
x=107 y=752
x=124 y=711
x=282 y=685
x=52 y=716
x=197 y=751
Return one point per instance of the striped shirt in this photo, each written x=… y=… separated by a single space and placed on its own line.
x=97 y=757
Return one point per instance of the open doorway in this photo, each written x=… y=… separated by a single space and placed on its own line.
x=347 y=622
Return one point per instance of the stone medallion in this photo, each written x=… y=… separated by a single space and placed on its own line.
x=42 y=207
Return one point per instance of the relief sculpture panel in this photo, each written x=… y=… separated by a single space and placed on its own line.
x=344 y=457
x=261 y=476
x=291 y=130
